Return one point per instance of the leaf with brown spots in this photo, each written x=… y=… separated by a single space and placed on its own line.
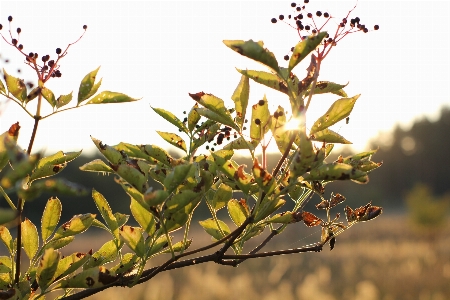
x=305 y=47
x=339 y=110
x=255 y=51
x=173 y=139
x=240 y=98
x=16 y=87
x=47 y=268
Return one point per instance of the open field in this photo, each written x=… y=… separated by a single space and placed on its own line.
x=382 y=259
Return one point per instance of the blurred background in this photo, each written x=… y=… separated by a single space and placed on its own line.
x=162 y=50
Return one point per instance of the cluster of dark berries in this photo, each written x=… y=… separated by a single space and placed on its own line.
x=305 y=28
x=50 y=66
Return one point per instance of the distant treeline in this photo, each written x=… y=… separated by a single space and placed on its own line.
x=416 y=155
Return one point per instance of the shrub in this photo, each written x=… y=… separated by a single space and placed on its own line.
x=205 y=173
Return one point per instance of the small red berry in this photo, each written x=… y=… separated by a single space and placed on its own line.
x=376 y=27
x=84 y=27
x=273 y=20
x=281 y=17
x=326 y=15
x=19 y=30
x=318 y=13
x=286 y=57
x=293 y=4
x=58 y=50
x=309 y=15
x=10 y=18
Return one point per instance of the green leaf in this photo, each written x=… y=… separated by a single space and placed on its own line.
x=144 y=218
x=7 y=239
x=267 y=207
x=16 y=87
x=176 y=220
x=238 y=211
x=121 y=218
x=97 y=165
x=178 y=247
x=221 y=196
x=94 y=89
x=305 y=47
x=87 y=85
x=193 y=117
x=286 y=217
x=329 y=136
x=339 y=110
x=222 y=119
x=106 y=212
x=173 y=139
x=110 y=97
x=240 y=143
x=281 y=135
x=33 y=94
x=76 y=225
x=240 y=98
x=49 y=96
x=323 y=87
x=180 y=200
x=354 y=159
x=90 y=278
x=130 y=150
x=217 y=232
x=52 y=165
x=334 y=171
x=128 y=261
x=132 y=236
x=58 y=185
x=107 y=253
x=30 y=238
x=135 y=172
x=156 y=246
x=59 y=243
x=177 y=176
x=157 y=153
x=50 y=217
x=261 y=120
x=47 y=268
x=155 y=198
x=171 y=118
x=212 y=103
x=110 y=153
x=63 y=100
x=265 y=78
x=255 y=51
x=70 y=264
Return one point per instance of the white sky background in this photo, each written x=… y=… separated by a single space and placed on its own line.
x=161 y=51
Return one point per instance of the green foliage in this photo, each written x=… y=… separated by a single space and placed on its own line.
x=211 y=176
x=427 y=212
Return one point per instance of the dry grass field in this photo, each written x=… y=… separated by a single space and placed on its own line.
x=384 y=259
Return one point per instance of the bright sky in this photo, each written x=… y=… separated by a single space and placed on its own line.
x=161 y=51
